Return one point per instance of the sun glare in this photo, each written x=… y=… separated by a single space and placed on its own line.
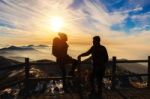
x=56 y=23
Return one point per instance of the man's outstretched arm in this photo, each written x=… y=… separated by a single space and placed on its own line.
x=85 y=54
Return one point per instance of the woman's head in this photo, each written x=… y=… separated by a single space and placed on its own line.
x=63 y=36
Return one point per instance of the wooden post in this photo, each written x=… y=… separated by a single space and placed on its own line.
x=148 y=83
x=27 y=67
x=113 y=72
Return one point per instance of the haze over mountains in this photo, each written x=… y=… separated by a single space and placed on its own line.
x=40 y=52
x=37 y=52
x=34 y=52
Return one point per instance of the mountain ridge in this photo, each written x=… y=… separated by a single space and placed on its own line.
x=26 y=47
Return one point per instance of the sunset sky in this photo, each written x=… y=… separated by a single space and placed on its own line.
x=124 y=25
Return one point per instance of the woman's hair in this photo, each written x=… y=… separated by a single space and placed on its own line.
x=63 y=36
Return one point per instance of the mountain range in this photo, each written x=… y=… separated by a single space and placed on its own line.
x=16 y=48
x=21 y=48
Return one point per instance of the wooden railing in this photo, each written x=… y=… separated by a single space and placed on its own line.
x=114 y=61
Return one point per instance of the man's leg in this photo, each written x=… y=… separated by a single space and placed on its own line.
x=92 y=83
x=99 y=83
x=92 y=78
x=99 y=76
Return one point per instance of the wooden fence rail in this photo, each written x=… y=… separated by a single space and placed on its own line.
x=114 y=65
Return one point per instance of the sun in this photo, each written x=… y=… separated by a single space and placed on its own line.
x=56 y=23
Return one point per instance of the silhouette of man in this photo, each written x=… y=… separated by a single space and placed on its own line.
x=100 y=58
x=59 y=50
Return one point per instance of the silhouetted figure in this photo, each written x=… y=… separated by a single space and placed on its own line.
x=59 y=50
x=100 y=58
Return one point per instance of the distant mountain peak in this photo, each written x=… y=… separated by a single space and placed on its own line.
x=42 y=45
x=16 y=48
x=30 y=45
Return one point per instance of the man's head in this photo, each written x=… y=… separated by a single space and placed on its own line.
x=96 y=40
x=63 y=36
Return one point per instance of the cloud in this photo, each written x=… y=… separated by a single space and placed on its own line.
x=141 y=17
x=98 y=12
x=91 y=17
x=138 y=9
x=33 y=15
